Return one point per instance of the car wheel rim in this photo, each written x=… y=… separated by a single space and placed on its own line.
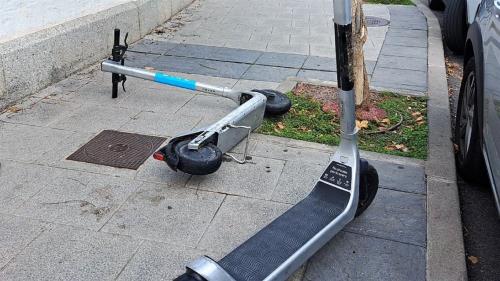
x=467 y=114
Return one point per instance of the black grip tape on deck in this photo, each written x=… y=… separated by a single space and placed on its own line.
x=260 y=255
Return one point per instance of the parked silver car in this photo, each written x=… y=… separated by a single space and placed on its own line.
x=477 y=129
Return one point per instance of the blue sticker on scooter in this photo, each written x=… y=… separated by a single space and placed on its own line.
x=175 y=81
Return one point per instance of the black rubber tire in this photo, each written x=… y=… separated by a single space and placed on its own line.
x=436 y=5
x=470 y=162
x=368 y=186
x=190 y=276
x=455 y=25
x=203 y=161
x=277 y=103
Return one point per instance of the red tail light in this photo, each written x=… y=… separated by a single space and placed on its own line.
x=159 y=156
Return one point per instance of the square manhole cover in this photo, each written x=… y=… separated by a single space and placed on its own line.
x=117 y=149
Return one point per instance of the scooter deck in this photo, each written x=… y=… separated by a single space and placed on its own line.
x=260 y=255
x=263 y=253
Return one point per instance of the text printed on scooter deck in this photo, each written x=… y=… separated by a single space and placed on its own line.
x=338 y=174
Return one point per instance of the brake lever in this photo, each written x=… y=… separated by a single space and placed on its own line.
x=123 y=78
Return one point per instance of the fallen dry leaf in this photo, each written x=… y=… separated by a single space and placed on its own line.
x=386 y=121
x=362 y=124
x=473 y=259
x=419 y=119
x=400 y=147
x=416 y=114
x=14 y=109
x=280 y=125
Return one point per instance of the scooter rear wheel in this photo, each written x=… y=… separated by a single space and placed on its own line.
x=368 y=186
x=277 y=103
x=206 y=160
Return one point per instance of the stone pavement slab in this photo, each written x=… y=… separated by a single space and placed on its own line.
x=152 y=47
x=26 y=143
x=78 y=199
x=215 y=53
x=236 y=220
x=280 y=59
x=256 y=180
x=269 y=73
x=66 y=253
x=16 y=234
x=357 y=257
x=168 y=214
x=396 y=216
x=407 y=178
x=159 y=261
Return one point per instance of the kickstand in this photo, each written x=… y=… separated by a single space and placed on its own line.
x=246 y=144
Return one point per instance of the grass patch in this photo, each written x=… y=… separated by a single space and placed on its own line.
x=307 y=121
x=390 y=2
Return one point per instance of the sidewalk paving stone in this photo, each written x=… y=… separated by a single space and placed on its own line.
x=41 y=113
x=152 y=47
x=281 y=59
x=414 y=52
x=78 y=199
x=407 y=178
x=269 y=73
x=26 y=143
x=66 y=253
x=94 y=119
x=159 y=261
x=169 y=214
x=419 y=64
x=237 y=220
x=158 y=172
x=256 y=179
x=401 y=76
x=164 y=100
x=320 y=63
x=160 y=124
x=405 y=41
x=293 y=186
x=16 y=234
x=214 y=53
x=394 y=215
x=355 y=257
x=319 y=75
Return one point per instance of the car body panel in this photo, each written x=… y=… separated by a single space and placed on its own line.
x=489 y=21
x=472 y=6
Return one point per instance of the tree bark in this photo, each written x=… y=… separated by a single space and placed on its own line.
x=359 y=36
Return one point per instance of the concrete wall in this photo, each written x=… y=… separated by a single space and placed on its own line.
x=34 y=61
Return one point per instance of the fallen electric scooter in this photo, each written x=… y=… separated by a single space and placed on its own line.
x=200 y=152
x=344 y=190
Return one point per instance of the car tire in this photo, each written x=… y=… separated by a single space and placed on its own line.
x=469 y=157
x=436 y=5
x=455 y=25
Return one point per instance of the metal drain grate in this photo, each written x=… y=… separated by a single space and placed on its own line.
x=375 y=21
x=117 y=149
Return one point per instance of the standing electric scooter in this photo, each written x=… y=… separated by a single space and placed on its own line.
x=344 y=190
x=200 y=152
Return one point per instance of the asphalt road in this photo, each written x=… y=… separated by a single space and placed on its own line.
x=481 y=223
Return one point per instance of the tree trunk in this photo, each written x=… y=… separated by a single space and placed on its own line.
x=359 y=36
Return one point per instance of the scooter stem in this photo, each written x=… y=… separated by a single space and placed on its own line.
x=343 y=41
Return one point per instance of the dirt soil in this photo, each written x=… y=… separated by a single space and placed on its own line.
x=327 y=96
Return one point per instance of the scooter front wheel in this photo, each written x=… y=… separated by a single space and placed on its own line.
x=368 y=186
x=206 y=160
x=277 y=103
